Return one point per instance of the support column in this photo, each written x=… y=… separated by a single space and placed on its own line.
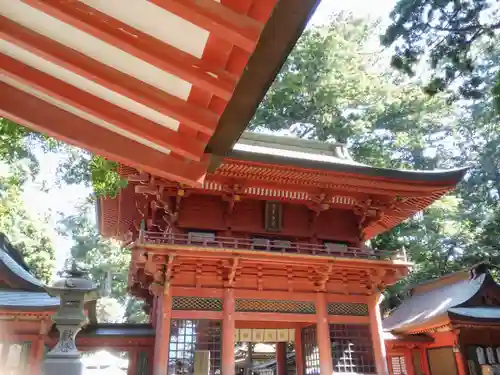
x=132 y=362
x=323 y=336
x=462 y=367
x=410 y=366
x=376 y=332
x=281 y=358
x=162 y=339
x=228 y=331
x=299 y=352
x=36 y=358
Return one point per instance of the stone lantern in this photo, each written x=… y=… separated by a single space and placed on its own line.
x=73 y=289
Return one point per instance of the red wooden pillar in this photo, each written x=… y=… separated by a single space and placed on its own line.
x=132 y=362
x=299 y=352
x=376 y=331
x=228 y=331
x=281 y=358
x=425 y=361
x=162 y=339
x=36 y=356
x=462 y=366
x=323 y=336
x=410 y=366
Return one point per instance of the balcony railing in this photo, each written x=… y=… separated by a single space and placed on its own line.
x=276 y=246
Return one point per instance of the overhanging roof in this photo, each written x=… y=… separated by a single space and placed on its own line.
x=308 y=172
x=13 y=270
x=447 y=299
x=20 y=300
x=19 y=289
x=156 y=85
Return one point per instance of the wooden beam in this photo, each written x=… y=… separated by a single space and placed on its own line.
x=93 y=105
x=267 y=317
x=282 y=29
x=188 y=114
x=236 y=28
x=43 y=117
x=139 y=44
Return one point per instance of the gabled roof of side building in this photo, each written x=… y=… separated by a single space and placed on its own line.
x=19 y=288
x=453 y=297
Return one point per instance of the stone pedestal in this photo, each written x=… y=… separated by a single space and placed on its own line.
x=65 y=357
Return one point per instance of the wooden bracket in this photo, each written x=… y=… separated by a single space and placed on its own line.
x=170 y=268
x=325 y=276
x=232 y=274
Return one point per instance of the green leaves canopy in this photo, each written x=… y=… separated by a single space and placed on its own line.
x=446 y=34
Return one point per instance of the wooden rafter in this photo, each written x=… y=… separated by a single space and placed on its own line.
x=122 y=119
x=139 y=44
x=41 y=116
x=190 y=115
x=238 y=29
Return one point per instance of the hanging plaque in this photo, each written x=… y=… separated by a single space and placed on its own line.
x=273 y=216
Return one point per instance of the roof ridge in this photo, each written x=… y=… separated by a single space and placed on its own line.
x=436 y=281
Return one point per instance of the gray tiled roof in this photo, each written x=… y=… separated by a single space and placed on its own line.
x=426 y=305
x=487 y=312
x=15 y=299
x=19 y=271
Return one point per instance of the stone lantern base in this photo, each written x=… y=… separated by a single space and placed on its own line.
x=63 y=365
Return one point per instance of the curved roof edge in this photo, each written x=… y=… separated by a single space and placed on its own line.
x=12 y=262
x=449 y=177
x=431 y=305
x=21 y=300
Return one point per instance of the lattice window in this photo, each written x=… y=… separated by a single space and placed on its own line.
x=353 y=309
x=398 y=365
x=264 y=305
x=196 y=303
x=311 y=351
x=187 y=338
x=352 y=349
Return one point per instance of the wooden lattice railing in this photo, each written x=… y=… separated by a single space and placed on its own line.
x=281 y=246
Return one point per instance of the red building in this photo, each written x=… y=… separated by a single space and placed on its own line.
x=271 y=248
x=265 y=242
x=447 y=326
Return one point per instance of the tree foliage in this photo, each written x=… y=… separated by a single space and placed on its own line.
x=25 y=232
x=333 y=90
x=330 y=89
x=445 y=34
x=108 y=264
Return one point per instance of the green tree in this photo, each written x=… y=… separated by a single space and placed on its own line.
x=26 y=233
x=108 y=264
x=330 y=89
x=444 y=34
x=78 y=166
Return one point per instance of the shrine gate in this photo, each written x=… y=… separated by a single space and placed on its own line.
x=271 y=248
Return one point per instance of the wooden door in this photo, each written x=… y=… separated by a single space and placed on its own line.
x=442 y=361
